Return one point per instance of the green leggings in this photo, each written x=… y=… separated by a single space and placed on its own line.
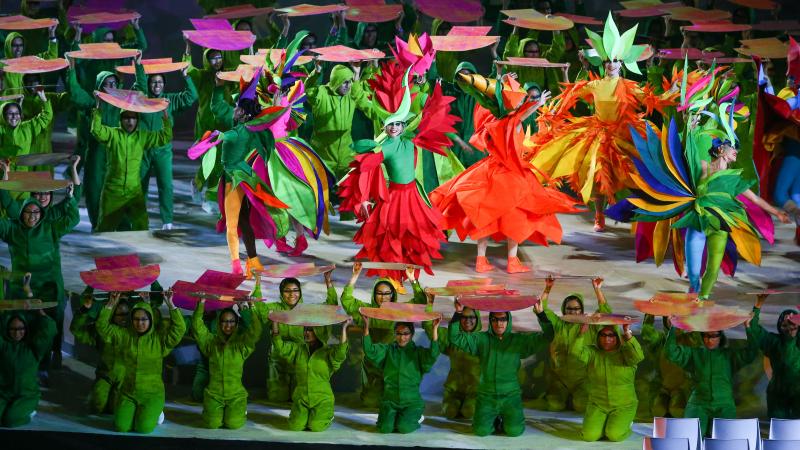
x=315 y=417
x=280 y=382
x=489 y=407
x=713 y=243
x=103 y=397
x=15 y=411
x=94 y=173
x=158 y=161
x=138 y=414
x=218 y=411
x=403 y=418
x=614 y=424
x=118 y=213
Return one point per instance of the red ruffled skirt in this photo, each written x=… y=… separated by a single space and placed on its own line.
x=402 y=229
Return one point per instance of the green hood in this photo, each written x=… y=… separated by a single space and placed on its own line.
x=97 y=35
x=530 y=85
x=10 y=37
x=339 y=74
x=31 y=200
x=236 y=22
x=206 y=64
x=521 y=47
x=5 y=105
x=359 y=35
x=299 y=286
x=7 y=322
x=373 y=303
x=575 y=295
x=323 y=334
x=101 y=78
x=149 y=310
x=508 y=328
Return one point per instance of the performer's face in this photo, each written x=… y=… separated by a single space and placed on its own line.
x=156 y=84
x=395 y=129
x=108 y=37
x=291 y=294
x=728 y=153
x=141 y=321
x=711 y=340
x=499 y=323
x=110 y=83
x=607 y=339
x=121 y=315
x=42 y=197
x=531 y=50
x=344 y=89
x=31 y=215
x=613 y=68
x=215 y=60
x=788 y=328
x=573 y=307
x=12 y=115
x=534 y=95
x=17 y=47
x=383 y=293
x=227 y=323
x=129 y=121
x=16 y=330
x=402 y=335
x=243 y=26
x=468 y=320
x=370 y=37
x=309 y=336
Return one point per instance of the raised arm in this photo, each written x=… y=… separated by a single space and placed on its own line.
x=200 y=330
x=631 y=350
x=183 y=100
x=677 y=353
x=102 y=133
x=110 y=334
x=177 y=326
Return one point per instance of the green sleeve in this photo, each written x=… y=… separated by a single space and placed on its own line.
x=65 y=223
x=5 y=229
x=532 y=343
x=9 y=204
x=631 y=352
x=79 y=97
x=43 y=336
x=176 y=330
x=512 y=45
x=40 y=122
x=365 y=105
x=141 y=80
x=183 y=100
x=760 y=337
x=678 y=354
x=253 y=328
x=104 y=134
x=337 y=355
x=332 y=298
x=82 y=328
x=350 y=304
x=604 y=308
x=555 y=321
x=428 y=356
x=108 y=333
x=651 y=337
x=200 y=330
x=556 y=50
x=743 y=356
x=153 y=139
x=141 y=41
x=193 y=71
x=284 y=349
x=467 y=342
x=222 y=111
x=52 y=50
x=419 y=294
x=375 y=353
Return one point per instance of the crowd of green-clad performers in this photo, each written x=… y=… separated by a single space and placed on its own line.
x=417 y=147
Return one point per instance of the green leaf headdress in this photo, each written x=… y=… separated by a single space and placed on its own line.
x=403 y=113
x=613 y=46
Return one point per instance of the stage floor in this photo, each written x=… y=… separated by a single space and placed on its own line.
x=185 y=252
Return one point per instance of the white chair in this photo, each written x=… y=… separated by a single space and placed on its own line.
x=773 y=444
x=688 y=428
x=784 y=429
x=654 y=443
x=738 y=429
x=726 y=444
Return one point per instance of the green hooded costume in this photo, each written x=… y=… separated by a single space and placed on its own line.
x=225 y=398
x=93 y=154
x=672 y=386
x=19 y=362
x=333 y=118
x=712 y=375
x=31 y=107
x=381 y=331
x=312 y=399
x=122 y=200
x=281 y=380
x=18 y=140
x=568 y=364
x=12 y=82
x=159 y=159
x=499 y=393
x=204 y=81
x=401 y=404
x=461 y=385
x=783 y=351
x=464 y=107
x=548 y=78
x=37 y=250
x=610 y=380
x=109 y=372
x=142 y=392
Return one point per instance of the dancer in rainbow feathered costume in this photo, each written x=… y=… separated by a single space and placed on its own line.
x=270 y=179
x=677 y=188
x=594 y=152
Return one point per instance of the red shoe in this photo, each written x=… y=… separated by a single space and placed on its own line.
x=282 y=247
x=599 y=224
x=236 y=267
x=482 y=265
x=516 y=266
x=300 y=245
